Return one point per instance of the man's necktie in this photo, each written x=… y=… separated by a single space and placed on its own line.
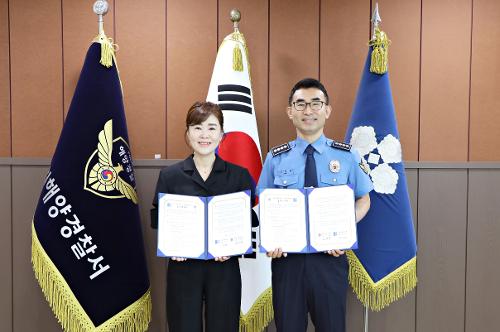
x=311 y=179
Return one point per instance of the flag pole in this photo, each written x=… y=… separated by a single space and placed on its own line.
x=101 y=8
x=375 y=23
x=365 y=320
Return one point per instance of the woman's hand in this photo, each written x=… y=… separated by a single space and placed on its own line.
x=222 y=259
x=276 y=253
x=335 y=252
x=178 y=259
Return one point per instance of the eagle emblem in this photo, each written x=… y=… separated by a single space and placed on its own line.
x=104 y=178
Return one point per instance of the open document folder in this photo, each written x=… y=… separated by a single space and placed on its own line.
x=307 y=220
x=204 y=227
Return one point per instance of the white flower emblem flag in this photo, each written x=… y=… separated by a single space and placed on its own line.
x=383 y=268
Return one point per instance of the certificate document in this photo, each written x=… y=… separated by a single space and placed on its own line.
x=307 y=220
x=282 y=220
x=332 y=221
x=204 y=227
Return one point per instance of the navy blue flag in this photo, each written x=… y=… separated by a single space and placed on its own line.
x=87 y=246
x=383 y=268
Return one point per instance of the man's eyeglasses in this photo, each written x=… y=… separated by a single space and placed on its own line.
x=316 y=105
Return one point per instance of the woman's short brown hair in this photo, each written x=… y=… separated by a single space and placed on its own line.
x=200 y=111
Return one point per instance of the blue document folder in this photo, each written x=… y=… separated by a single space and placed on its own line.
x=194 y=241
x=325 y=233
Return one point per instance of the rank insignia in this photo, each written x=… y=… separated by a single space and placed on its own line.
x=341 y=146
x=334 y=166
x=364 y=166
x=280 y=149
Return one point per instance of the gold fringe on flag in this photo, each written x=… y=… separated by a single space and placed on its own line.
x=392 y=287
x=260 y=314
x=380 y=54
x=67 y=309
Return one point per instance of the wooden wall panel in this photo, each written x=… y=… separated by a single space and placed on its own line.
x=354 y=313
x=483 y=245
x=400 y=315
x=412 y=183
x=191 y=51
x=36 y=81
x=401 y=21
x=31 y=311
x=5 y=250
x=140 y=33
x=5 y=141
x=345 y=29
x=146 y=182
x=444 y=112
x=442 y=249
x=293 y=55
x=254 y=25
x=485 y=79
x=79 y=29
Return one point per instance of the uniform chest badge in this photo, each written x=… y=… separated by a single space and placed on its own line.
x=334 y=166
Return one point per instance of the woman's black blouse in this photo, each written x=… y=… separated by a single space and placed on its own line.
x=183 y=179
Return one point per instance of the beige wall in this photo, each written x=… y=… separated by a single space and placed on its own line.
x=443 y=66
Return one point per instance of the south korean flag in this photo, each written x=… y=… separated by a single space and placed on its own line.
x=231 y=88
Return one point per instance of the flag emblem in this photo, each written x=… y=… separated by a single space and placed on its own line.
x=104 y=179
x=380 y=155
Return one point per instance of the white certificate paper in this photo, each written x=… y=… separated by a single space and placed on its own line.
x=282 y=220
x=204 y=227
x=229 y=224
x=181 y=226
x=332 y=222
x=307 y=220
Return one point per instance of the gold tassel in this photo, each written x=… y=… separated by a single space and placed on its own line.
x=380 y=53
x=107 y=49
x=392 y=287
x=67 y=309
x=107 y=53
x=260 y=314
x=237 y=58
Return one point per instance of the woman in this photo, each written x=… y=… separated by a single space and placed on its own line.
x=189 y=281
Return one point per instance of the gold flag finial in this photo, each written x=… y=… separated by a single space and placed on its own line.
x=380 y=44
x=237 y=56
x=235 y=18
x=101 y=7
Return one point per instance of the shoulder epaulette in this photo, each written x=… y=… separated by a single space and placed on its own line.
x=341 y=146
x=280 y=149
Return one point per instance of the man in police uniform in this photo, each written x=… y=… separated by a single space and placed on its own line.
x=314 y=283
